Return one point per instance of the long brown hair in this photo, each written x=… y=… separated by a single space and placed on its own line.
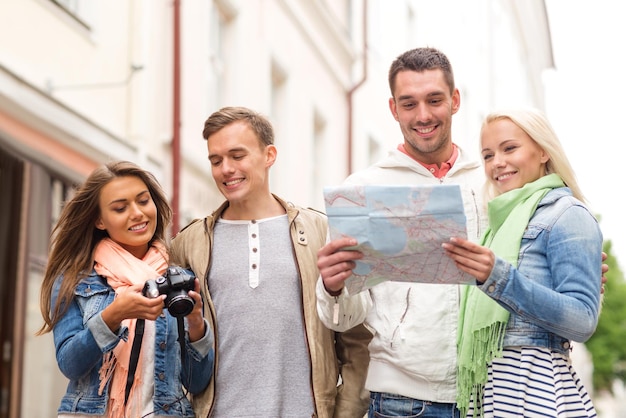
x=75 y=235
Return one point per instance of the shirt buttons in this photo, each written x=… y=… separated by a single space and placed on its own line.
x=566 y=345
x=491 y=288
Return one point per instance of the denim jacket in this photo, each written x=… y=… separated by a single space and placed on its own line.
x=81 y=339
x=553 y=295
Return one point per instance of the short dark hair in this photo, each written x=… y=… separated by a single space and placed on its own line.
x=421 y=59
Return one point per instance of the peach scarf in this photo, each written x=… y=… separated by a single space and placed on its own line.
x=122 y=270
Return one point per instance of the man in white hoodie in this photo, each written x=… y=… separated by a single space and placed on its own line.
x=413 y=352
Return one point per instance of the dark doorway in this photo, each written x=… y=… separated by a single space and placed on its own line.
x=11 y=192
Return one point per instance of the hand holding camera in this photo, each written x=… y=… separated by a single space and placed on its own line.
x=175 y=284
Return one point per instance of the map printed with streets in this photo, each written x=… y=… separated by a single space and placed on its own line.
x=399 y=229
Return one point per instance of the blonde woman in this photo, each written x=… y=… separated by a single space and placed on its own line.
x=537 y=278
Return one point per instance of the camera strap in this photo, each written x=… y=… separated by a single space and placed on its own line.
x=134 y=357
x=181 y=339
x=136 y=349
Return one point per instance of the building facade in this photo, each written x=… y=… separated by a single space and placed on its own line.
x=83 y=82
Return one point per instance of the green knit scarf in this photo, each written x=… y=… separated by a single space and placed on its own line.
x=482 y=321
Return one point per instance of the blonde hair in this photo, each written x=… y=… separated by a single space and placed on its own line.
x=535 y=124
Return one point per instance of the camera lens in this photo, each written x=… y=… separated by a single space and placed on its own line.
x=180 y=305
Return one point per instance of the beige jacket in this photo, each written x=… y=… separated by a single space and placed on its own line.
x=332 y=354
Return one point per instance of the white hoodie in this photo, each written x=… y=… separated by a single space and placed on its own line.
x=413 y=351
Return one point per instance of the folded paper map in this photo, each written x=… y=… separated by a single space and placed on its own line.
x=399 y=229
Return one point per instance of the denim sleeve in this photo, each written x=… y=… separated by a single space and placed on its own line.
x=77 y=351
x=80 y=343
x=199 y=359
x=202 y=347
x=105 y=338
x=564 y=297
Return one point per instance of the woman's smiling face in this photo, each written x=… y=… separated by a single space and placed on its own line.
x=511 y=158
x=128 y=214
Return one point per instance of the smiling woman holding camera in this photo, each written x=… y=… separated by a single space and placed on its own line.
x=108 y=242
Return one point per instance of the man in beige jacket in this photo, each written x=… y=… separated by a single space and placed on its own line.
x=256 y=259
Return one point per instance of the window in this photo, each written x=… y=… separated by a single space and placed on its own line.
x=221 y=20
x=81 y=10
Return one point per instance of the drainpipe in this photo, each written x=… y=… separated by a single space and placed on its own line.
x=350 y=94
x=176 y=123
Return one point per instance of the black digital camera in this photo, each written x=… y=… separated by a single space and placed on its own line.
x=176 y=284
